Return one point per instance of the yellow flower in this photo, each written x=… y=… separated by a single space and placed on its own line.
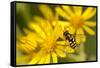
x=25 y=48
x=48 y=14
x=77 y=19
x=50 y=46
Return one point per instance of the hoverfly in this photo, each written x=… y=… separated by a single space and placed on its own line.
x=71 y=39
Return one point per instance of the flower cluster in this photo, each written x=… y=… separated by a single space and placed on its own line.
x=45 y=43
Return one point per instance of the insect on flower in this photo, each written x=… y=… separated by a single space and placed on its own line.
x=73 y=39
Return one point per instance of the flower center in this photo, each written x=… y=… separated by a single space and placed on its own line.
x=49 y=45
x=77 y=21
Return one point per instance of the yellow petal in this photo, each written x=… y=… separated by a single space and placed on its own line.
x=33 y=37
x=61 y=42
x=44 y=24
x=37 y=29
x=62 y=13
x=90 y=23
x=80 y=37
x=69 y=49
x=57 y=32
x=84 y=38
x=80 y=31
x=60 y=53
x=28 y=43
x=66 y=42
x=30 y=40
x=70 y=29
x=46 y=11
x=47 y=59
x=42 y=60
x=54 y=57
x=26 y=46
x=39 y=19
x=77 y=10
x=36 y=58
x=68 y=10
x=48 y=29
x=64 y=24
x=88 y=30
x=61 y=47
x=89 y=13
